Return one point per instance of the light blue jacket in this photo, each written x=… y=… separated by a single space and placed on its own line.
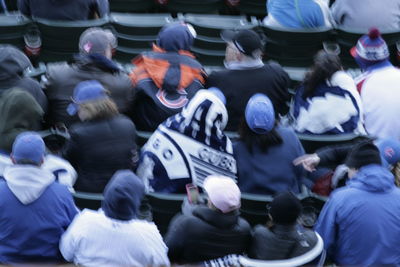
x=360 y=223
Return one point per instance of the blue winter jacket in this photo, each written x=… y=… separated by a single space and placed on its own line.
x=360 y=224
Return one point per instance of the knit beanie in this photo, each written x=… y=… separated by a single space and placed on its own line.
x=285 y=208
x=371 y=47
x=363 y=154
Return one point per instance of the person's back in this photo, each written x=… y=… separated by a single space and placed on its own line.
x=378 y=86
x=362 y=14
x=166 y=78
x=35 y=210
x=210 y=232
x=93 y=63
x=246 y=75
x=114 y=236
x=299 y=14
x=64 y=9
x=369 y=203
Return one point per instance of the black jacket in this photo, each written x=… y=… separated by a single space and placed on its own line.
x=62 y=79
x=281 y=242
x=206 y=234
x=99 y=148
x=13 y=63
x=239 y=85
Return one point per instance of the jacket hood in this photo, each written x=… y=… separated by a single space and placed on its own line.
x=123 y=195
x=373 y=178
x=27 y=182
x=217 y=218
x=13 y=62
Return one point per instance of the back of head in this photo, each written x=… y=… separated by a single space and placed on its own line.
x=247 y=42
x=285 y=209
x=223 y=193
x=91 y=101
x=97 y=41
x=12 y=62
x=363 y=154
x=325 y=65
x=123 y=195
x=28 y=148
x=176 y=36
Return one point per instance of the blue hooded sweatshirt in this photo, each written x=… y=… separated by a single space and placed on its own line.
x=360 y=223
x=122 y=196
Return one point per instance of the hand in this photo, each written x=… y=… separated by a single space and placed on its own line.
x=309 y=161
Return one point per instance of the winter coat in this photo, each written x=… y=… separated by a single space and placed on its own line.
x=62 y=79
x=206 y=234
x=164 y=82
x=360 y=222
x=13 y=63
x=35 y=212
x=63 y=9
x=98 y=148
x=272 y=171
x=19 y=112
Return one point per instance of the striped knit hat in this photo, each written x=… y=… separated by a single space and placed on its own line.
x=371 y=47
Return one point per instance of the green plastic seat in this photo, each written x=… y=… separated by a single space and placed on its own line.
x=12 y=29
x=254 y=208
x=294 y=48
x=60 y=39
x=85 y=200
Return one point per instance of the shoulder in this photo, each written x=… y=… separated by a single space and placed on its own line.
x=55 y=69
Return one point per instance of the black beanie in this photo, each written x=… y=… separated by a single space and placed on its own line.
x=363 y=154
x=285 y=208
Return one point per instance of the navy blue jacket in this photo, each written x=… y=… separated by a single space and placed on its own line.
x=273 y=171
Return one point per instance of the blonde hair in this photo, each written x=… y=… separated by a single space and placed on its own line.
x=98 y=109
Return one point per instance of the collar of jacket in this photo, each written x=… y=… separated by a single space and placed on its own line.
x=97 y=60
x=158 y=49
x=216 y=218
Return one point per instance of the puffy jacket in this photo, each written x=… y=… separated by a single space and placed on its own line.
x=206 y=234
x=99 y=148
x=164 y=82
x=62 y=79
x=13 y=63
x=360 y=222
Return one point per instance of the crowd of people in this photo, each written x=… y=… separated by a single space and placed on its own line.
x=100 y=108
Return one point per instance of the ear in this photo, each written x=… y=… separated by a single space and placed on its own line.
x=12 y=159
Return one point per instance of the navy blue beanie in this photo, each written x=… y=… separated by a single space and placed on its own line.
x=176 y=36
x=123 y=195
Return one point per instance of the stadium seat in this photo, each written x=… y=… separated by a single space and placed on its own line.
x=208 y=46
x=84 y=200
x=255 y=8
x=136 y=32
x=194 y=6
x=314 y=257
x=347 y=38
x=131 y=5
x=254 y=208
x=12 y=29
x=294 y=48
x=164 y=207
x=56 y=44
x=313 y=142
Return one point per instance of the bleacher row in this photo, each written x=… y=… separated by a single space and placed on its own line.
x=293 y=49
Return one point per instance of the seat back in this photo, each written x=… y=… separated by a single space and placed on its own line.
x=136 y=32
x=347 y=38
x=60 y=39
x=254 y=208
x=12 y=29
x=208 y=46
x=294 y=48
x=131 y=5
x=194 y=6
x=312 y=142
x=85 y=200
x=164 y=207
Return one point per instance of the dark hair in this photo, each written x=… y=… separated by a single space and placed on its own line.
x=27 y=162
x=325 y=65
x=263 y=141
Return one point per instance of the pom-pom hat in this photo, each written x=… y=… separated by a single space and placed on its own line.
x=371 y=47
